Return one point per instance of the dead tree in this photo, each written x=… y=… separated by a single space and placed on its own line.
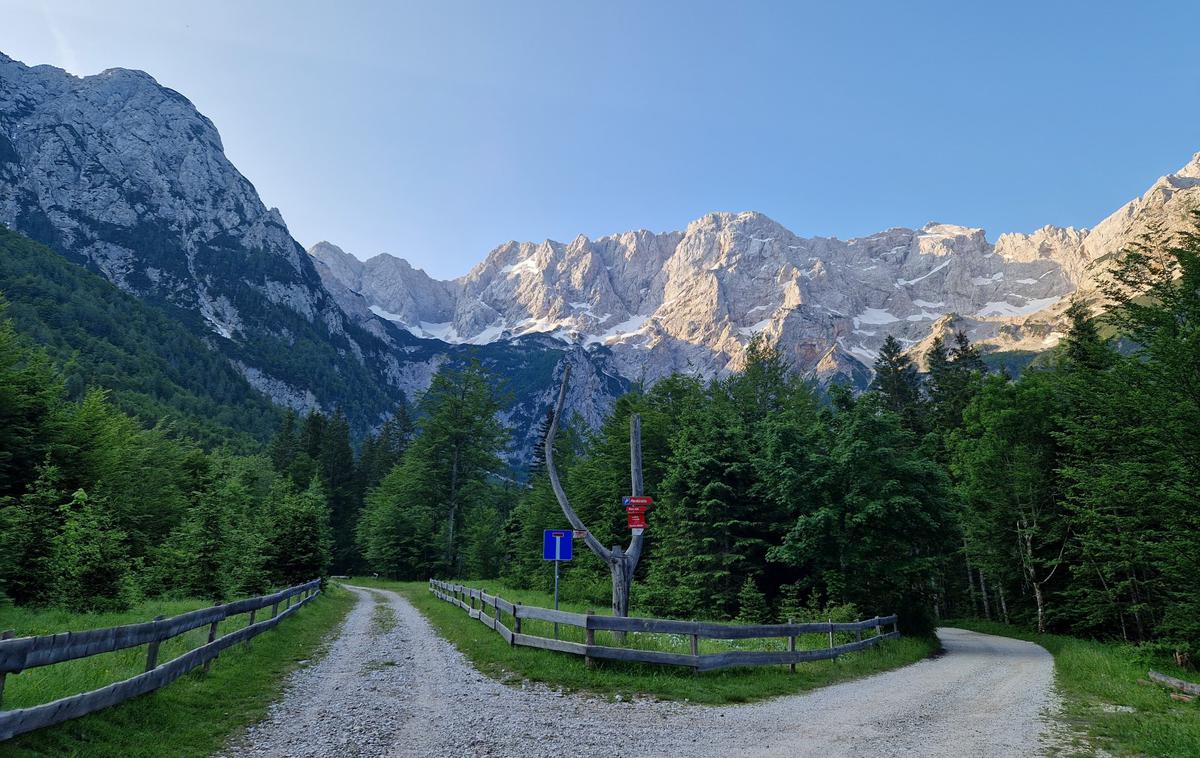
x=621 y=562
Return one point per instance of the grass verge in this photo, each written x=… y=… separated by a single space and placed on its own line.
x=192 y=716
x=1102 y=699
x=494 y=657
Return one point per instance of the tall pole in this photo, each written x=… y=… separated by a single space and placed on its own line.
x=621 y=561
x=557 y=559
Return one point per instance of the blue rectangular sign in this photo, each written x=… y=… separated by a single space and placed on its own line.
x=556 y=544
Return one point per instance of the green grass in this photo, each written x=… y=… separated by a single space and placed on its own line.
x=1098 y=682
x=192 y=716
x=494 y=657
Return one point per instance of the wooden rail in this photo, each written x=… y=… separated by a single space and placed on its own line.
x=476 y=602
x=1175 y=684
x=23 y=653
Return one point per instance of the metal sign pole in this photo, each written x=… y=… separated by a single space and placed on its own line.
x=557 y=560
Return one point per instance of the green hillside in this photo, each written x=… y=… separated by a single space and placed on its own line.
x=153 y=366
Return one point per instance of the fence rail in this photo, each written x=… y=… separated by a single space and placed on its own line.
x=467 y=597
x=22 y=653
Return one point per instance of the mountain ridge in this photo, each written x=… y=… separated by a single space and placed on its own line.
x=692 y=295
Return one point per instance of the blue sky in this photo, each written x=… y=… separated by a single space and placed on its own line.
x=436 y=131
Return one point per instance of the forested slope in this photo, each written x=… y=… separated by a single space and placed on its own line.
x=153 y=366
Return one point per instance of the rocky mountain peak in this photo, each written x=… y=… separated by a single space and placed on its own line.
x=691 y=300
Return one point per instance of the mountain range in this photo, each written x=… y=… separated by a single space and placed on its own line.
x=691 y=300
x=125 y=178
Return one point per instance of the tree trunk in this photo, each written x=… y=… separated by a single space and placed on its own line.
x=1041 y=607
x=970 y=581
x=987 y=610
x=1003 y=602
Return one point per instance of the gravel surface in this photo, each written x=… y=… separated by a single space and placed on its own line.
x=399 y=689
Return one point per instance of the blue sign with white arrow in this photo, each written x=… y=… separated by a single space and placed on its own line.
x=556 y=544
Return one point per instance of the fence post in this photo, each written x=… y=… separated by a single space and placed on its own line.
x=696 y=650
x=212 y=636
x=275 y=609
x=831 y=636
x=792 y=649
x=151 y=649
x=878 y=628
x=253 y=611
x=7 y=634
x=516 y=621
x=589 y=637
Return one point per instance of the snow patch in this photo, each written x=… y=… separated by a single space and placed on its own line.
x=386 y=314
x=518 y=268
x=907 y=282
x=979 y=281
x=1008 y=310
x=747 y=331
x=859 y=351
x=874 y=316
x=927 y=304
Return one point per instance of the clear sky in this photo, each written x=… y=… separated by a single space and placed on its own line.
x=438 y=130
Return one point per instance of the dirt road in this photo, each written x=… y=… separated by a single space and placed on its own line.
x=390 y=686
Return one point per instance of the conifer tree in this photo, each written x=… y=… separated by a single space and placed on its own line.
x=448 y=466
x=285 y=444
x=896 y=380
x=879 y=536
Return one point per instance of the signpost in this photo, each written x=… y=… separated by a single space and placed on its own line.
x=557 y=546
x=635 y=511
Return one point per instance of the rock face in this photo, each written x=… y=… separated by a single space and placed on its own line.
x=692 y=300
x=124 y=176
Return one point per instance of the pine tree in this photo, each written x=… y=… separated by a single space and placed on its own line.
x=707 y=540
x=89 y=567
x=340 y=482
x=752 y=604
x=27 y=530
x=298 y=546
x=896 y=380
x=285 y=445
x=538 y=464
x=878 y=536
x=447 y=467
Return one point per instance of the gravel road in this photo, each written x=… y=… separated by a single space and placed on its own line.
x=395 y=688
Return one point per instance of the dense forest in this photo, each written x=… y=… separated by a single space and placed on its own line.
x=1063 y=498
x=153 y=367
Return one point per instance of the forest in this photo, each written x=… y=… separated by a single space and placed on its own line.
x=1062 y=499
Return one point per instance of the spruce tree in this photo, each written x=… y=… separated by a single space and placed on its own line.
x=448 y=467
x=896 y=380
x=285 y=444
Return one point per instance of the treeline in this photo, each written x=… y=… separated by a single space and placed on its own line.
x=1065 y=499
x=97 y=511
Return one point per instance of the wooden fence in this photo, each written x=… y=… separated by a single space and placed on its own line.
x=23 y=653
x=476 y=602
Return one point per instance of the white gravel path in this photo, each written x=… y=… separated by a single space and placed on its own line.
x=408 y=692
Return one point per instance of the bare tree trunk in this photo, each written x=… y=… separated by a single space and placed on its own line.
x=970 y=581
x=987 y=610
x=621 y=562
x=1041 y=607
x=1003 y=602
